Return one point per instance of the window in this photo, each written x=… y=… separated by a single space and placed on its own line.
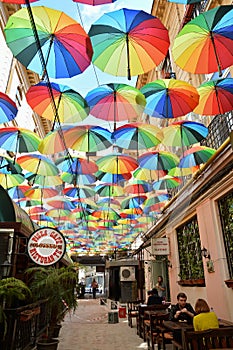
x=226 y=214
x=189 y=249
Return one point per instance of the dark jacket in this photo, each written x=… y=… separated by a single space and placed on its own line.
x=182 y=316
x=154 y=300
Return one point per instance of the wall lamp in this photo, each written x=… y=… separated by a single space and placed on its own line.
x=205 y=253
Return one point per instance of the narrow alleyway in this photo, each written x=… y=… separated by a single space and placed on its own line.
x=88 y=328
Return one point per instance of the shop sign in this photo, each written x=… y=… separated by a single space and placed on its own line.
x=160 y=246
x=46 y=246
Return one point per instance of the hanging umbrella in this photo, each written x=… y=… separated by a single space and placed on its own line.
x=159 y=160
x=128 y=42
x=112 y=178
x=169 y=98
x=57 y=213
x=17 y=1
x=65 y=45
x=116 y=102
x=166 y=183
x=76 y=165
x=205 y=44
x=61 y=203
x=70 y=105
x=117 y=164
x=155 y=200
x=78 y=179
x=184 y=133
x=106 y=214
x=9 y=180
x=185 y=2
x=44 y=181
x=216 y=97
x=137 y=187
x=95 y=2
x=18 y=192
x=147 y=174
x=109 y=202
x=109 y=190
x=180 y=172
x=195 y=156
x=133 y=201
x=137 y=136
x=8 y=108
x=79 y=191
x=9 y=166
x=38 y=164
x=41 y=193
x=18 y=140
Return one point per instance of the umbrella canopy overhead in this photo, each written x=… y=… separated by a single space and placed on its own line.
x=8 y=109
x=60 y=36
x=76 y=165
x=95 y=2
x=38 y=164
x=17 y=1
x=195 y=156
x=185 y=2
x=9 y=166
x=19 y=140
x=158 y=160
x=205 y=44
x=169 y=98
x=216 y=97
x=70 y=105
x=117 y=163
x=128 y=42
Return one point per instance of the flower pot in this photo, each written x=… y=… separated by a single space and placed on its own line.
x=47 y=344
x=56 y=331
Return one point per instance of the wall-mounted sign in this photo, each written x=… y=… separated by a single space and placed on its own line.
x=160 y=246
x=46 y=246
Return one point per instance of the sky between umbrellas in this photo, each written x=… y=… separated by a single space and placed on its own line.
x=78 y=172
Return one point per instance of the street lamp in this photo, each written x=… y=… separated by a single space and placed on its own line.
x=5 y=269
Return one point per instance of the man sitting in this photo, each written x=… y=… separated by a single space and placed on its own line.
x=154 y=299
x=182 y=311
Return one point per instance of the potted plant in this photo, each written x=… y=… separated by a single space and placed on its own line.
x=58 y=286
x=12 y=292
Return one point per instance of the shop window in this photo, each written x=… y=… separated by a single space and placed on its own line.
x=226 y=214
x=189 y=249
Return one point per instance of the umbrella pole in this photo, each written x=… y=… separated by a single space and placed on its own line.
x=128 y=59
x=114 y=110
x=216 y=55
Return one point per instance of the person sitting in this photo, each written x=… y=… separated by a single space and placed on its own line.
x=204 y=319
x=154 y=299
x=182 y=311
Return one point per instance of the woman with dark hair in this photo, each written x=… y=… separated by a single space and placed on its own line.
x=204 y=319
x=161 y=287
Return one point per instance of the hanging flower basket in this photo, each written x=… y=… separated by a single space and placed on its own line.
x=200 y=282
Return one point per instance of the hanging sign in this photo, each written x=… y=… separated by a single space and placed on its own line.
x=46 y=246
x=160 y=246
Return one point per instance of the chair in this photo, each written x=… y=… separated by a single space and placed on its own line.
x=132 y=311
x=156 y=333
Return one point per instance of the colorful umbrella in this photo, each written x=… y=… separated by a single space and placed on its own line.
x=147 y=174
x=8 y=109
x=196 y=156
x=185 y=2
x=71 y=107
x=159 y=160
x=117 y=163
x=58 y=213
x=116 y=102
x=112 y=178
x=180 y=172
x=169 y=98
x=39 y=193
x=79 y=191
x=133 y=202
x=17 y=1
x=18 y=140
x=61 y=203
x=95 y=2
x=44 y=181
x=78 y=179
x=166 y=183
x=155 y=200
x=106 y=213
x=137 y=187
x=38 y=164
x=184 y=133
x=128 y=42
x=109 y=202
x=76 y=165
x=9 y=180
x=216 y=97
x=18 y=192
x=205 y=44
x=109 y=190
x=137 y=136
x=66 y=47
x=9 y=166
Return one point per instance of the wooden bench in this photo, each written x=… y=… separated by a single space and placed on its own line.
x=132 y=311
x=210 y=339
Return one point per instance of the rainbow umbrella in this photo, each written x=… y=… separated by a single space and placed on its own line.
x=216 y=97
x=185 y=2
x=61 y=203
x=166 y=183
x=112 y=178
x=116 y=102
x=95 y=2
x=133 y=201
x=9 y=166
x=8 y=108
x=137 y=136
x=71 y=107
x=180 y=172
x=128 y=42
x=9 y=180
x=18 y=140
x=65 y=46
x=205 y=44
x=79 y=191
x=76 y=165
x=195 y=156
x=37 y=210
x=169 y=98
x=147 y=174
x=155 y=200
x=57 y=213
x=38 y=164
x=44 y=181
x=106 y=214
x=109 y=190
x=78 y=179
x=117 y=163
x=40 y=193
x=183 y=133
x=159 y=160
x=18 y=192
x=109 y=202
x=17 y=1
x=137 y=187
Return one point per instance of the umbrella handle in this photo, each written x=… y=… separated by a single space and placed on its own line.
x=216 y=55
x=128 y=59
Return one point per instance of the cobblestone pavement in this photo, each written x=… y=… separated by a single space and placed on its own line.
x=88 y=329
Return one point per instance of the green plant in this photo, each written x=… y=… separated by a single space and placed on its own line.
x=12 y=290
x=56 y=285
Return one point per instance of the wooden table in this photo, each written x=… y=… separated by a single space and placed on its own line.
x=178 y=328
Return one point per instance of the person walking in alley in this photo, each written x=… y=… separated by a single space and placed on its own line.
x=94 y=286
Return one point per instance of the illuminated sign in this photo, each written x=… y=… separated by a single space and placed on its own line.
x=46 y=246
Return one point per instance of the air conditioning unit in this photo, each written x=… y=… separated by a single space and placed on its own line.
x=127 y=273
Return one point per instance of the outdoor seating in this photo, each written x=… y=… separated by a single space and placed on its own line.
x=132 y=311
x=144 y=318
x=156 y=333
